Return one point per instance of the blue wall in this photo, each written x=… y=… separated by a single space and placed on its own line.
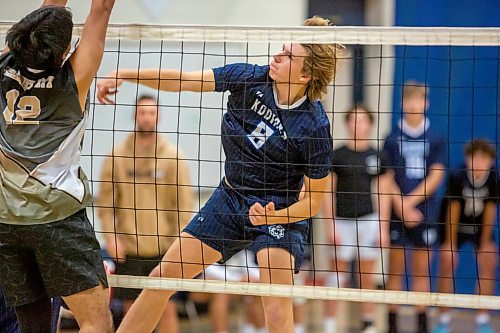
x=464 y=92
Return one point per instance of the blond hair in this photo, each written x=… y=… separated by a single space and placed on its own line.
x=412 y=87
x=321 y=62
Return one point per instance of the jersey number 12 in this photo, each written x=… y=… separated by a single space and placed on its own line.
x=28 y=108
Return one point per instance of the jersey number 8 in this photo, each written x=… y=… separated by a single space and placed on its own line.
x=28 y=108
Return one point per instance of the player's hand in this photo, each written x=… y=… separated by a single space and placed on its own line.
x=108 y=86
x=410 y=215
x=258 y=214
x=116 y=250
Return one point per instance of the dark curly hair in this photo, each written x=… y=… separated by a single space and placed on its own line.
x=40 y=39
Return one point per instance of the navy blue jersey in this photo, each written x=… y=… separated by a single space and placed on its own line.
x=472 y=196
x=270 y=147
x=410 y=157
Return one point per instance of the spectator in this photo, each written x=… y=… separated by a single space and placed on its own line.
x=355 y=231
x=144 y=201
x=416 y=158
x=469 y=215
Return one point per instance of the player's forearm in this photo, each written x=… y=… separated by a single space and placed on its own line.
x=103 y=6
x=165 y=79
x=428 y=186
x=328 y=208
x=303 y=209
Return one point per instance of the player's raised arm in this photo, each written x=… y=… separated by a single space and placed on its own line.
x=166 y=79
x=88 y=55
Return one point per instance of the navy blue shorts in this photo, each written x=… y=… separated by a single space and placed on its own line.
x=423 y=236
x=224 y=225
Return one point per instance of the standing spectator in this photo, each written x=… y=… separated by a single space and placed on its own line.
x=356 y=231
x=144 y=201
x=469 y=216
x=416 y=158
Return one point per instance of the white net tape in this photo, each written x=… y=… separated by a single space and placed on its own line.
x=342 y=35
x=308 y=292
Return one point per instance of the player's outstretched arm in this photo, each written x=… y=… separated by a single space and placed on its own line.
x=88 y=55
x=60 y=3
x=166 y=79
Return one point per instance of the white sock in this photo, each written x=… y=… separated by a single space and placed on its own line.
x=247 y=328
x=262 y=330
x=482 y=318
x=330 y=325
x=445 y=318
x=300 y=328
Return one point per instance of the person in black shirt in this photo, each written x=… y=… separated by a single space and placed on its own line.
x=469 y=215
x=356 y=231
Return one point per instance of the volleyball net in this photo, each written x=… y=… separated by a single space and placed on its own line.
x=460 y=68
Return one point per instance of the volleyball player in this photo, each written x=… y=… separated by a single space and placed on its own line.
x=47 y=244
x=276 y=136
x=469 y=216
x=356 y=231
x=416 y=155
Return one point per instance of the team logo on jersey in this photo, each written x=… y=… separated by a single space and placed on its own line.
x=277 y=231
x=267 y=113
x=372 y=165
x=260 y=134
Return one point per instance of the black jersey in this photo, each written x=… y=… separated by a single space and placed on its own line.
x=473 y=196
x=355 y=171
x=41 y=132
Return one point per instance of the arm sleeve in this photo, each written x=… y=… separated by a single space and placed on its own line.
x=318 y=152
x=236 y=77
